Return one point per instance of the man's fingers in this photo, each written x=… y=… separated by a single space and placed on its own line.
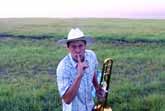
x=78 y=58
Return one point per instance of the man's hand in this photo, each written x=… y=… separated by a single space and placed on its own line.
x=100 y=93
x=81 y=66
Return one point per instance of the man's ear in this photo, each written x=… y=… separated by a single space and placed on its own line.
x=67 y=47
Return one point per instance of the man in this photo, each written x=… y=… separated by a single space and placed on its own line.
x=76 y=73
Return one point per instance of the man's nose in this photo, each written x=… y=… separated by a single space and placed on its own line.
x=77 y=50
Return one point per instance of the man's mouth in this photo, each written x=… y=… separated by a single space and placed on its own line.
x=81 y=57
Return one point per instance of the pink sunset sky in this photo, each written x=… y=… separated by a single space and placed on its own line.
x=154 y=9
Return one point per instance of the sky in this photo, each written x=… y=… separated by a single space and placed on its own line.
x=154 y=9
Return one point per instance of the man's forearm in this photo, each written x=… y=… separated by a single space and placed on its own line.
x=72 y=91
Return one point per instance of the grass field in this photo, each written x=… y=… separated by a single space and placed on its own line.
x=29 y=56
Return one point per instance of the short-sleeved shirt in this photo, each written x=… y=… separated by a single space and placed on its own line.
x=66 y=74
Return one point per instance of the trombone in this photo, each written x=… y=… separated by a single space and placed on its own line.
x=105 y=83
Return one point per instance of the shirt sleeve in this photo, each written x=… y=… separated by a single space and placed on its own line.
x=63 y=78
x=95 y=61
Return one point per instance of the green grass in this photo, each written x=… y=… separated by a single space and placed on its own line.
x=24 y=93
x=109 y=28
x=28 y=66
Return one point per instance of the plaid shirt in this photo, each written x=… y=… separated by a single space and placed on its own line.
x=66 y=73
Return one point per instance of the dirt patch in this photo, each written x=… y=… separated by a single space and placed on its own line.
x=10 y=36
x=98 y=39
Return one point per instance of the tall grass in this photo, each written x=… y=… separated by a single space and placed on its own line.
x=24 y=93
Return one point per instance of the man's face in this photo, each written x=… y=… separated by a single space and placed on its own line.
x=77 y=48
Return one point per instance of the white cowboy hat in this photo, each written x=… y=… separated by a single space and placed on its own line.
x=76 y=34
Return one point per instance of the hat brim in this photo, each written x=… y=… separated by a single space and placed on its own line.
x=89 y=40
